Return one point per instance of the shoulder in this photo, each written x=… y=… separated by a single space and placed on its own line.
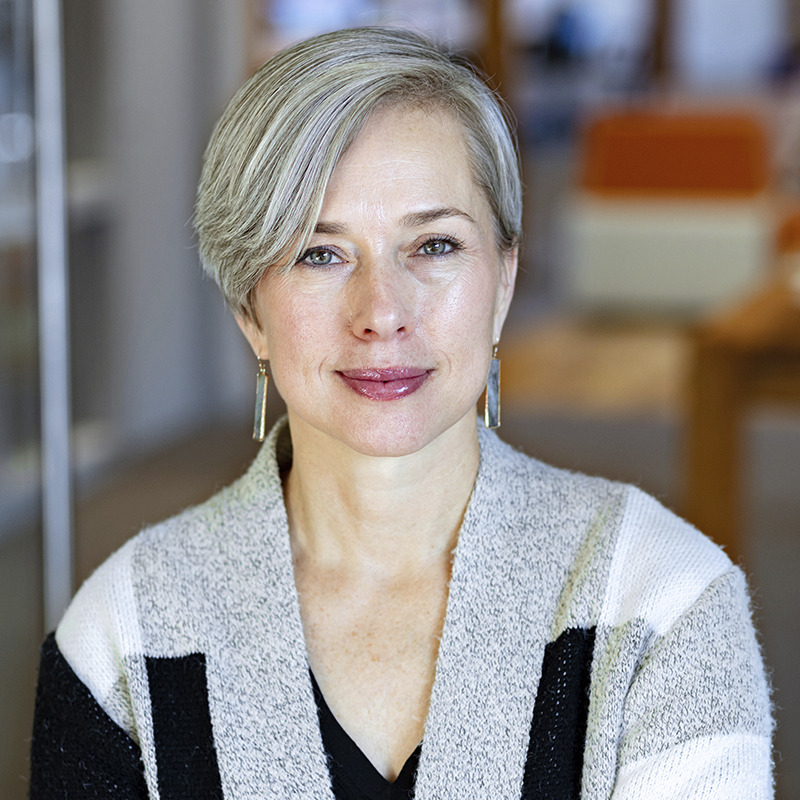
x=661 y=565
x=103 y=626
x=99 y=632
x=646 y=561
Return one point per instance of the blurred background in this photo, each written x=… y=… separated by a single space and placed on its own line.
x=655 y=335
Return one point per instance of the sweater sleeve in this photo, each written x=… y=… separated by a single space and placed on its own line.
x=697 y=720
x=77 y=750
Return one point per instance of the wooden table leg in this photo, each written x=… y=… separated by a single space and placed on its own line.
x=714 y=446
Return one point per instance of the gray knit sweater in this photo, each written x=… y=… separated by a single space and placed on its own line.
x=595 y=646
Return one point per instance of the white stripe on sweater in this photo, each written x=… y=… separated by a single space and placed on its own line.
x=656 y=578
x=101 y=628
x=732 y=767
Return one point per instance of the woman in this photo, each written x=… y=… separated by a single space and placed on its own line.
x=392 y=602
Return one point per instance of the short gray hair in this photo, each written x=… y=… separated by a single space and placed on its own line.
x=272 y=153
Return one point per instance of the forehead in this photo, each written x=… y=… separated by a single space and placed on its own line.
x=405 y=155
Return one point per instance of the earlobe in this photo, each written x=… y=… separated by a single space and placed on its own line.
x=254 y=335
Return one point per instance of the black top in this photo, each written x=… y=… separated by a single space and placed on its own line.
x=353 y=777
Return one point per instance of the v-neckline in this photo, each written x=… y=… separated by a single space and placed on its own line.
x=351 y=771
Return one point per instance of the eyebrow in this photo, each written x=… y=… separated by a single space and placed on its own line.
x=412 y=220
x=431 y=215
x=330 y=228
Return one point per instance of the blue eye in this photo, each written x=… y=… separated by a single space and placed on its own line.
x=319 y=257
x=440 y=246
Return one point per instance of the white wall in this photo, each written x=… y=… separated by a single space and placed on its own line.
x=176 y=357
x=723 y=44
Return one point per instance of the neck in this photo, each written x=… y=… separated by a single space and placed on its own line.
x=383 y=514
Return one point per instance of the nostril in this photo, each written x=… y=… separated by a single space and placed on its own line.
x=371 y=331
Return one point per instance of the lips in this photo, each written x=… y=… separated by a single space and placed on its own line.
x=385 y=384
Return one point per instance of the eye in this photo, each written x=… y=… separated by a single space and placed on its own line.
x=319 y=257
x=440 y=246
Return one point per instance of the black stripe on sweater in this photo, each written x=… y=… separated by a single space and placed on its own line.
x=186 y=757
x=554 y=763
x=77 y=749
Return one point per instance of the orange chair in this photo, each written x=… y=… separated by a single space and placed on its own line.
x=686 y=155
x=670 y=211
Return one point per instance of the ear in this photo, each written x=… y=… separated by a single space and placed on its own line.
x=505 y=289
x=254 y=335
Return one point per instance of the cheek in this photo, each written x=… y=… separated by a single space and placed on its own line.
x=469 y=309
x=299 y=333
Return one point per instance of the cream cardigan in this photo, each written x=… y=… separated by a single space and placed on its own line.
x=595 y=646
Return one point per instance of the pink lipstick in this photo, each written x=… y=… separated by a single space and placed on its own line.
x=385 y=384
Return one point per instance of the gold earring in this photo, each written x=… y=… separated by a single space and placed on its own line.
x=260 y=421
x=491 y=411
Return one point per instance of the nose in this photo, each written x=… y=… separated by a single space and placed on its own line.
x=382 y=301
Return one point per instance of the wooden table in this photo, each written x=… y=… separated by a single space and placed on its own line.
x=743 y=357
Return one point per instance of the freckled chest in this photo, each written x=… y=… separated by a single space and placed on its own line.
x=373 y=646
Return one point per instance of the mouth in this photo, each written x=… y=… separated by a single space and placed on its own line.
x=391 y=383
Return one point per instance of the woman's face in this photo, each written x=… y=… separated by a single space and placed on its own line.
x=381 y=335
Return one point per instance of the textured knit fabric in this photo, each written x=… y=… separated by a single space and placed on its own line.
x=594 y=646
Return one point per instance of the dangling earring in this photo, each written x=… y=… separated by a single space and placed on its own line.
x=260 y=421
x=491 y=411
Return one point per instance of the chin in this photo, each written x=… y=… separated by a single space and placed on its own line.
x=386 y=430
x=389 y=441
x=395 y=436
